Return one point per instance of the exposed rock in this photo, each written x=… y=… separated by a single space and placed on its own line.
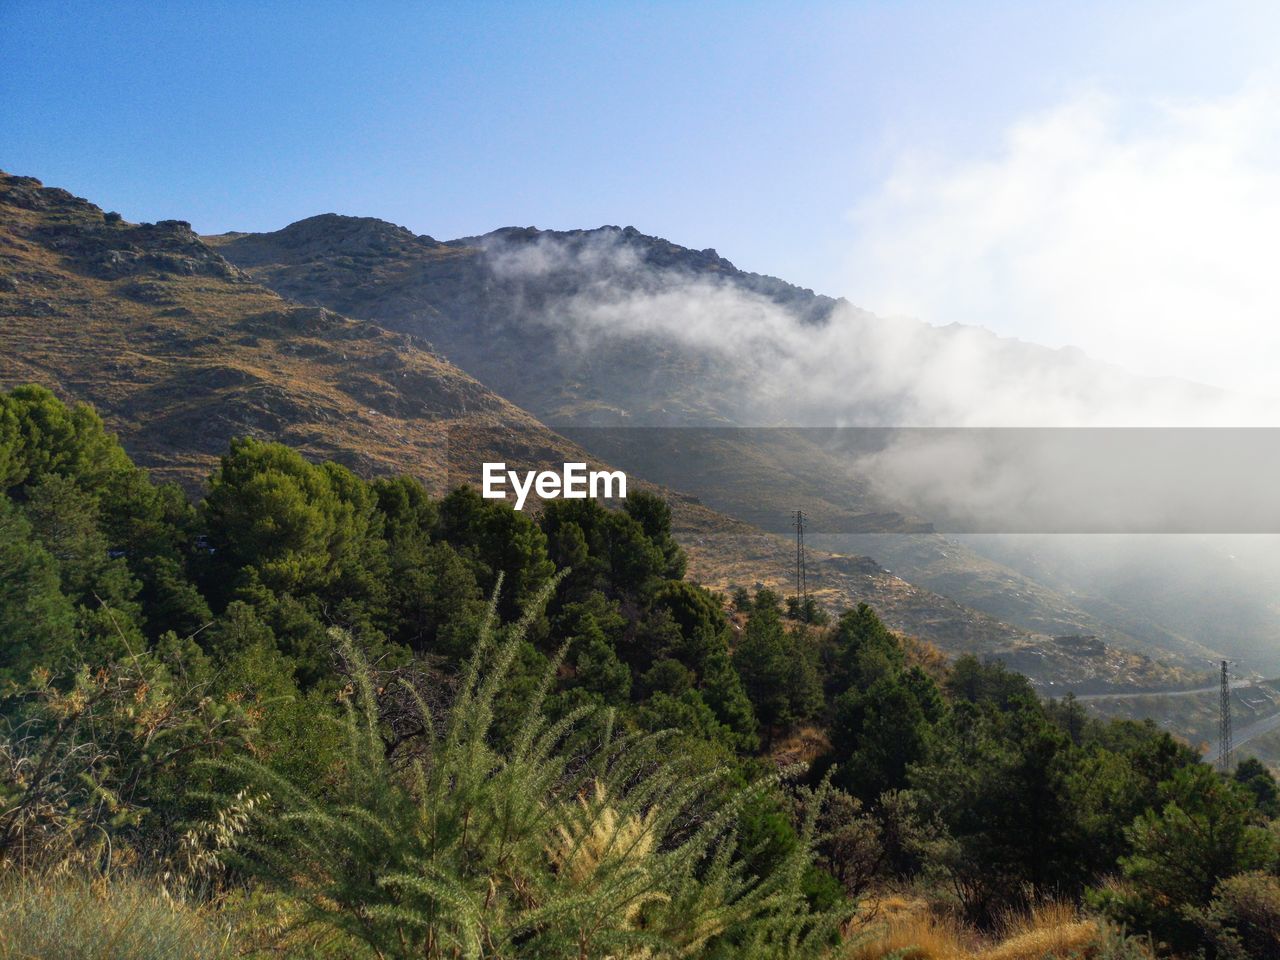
x=147 y=291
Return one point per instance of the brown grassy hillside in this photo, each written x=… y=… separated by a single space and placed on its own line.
x=180 y=351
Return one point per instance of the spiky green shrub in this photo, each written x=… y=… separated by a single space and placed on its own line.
x=577 y=840
x=121 y=919
x=1242 y=921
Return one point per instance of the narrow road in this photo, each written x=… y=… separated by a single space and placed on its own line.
x=1169 y=693
x=1242 y=736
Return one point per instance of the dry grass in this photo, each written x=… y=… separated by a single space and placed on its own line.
x=125 y=919
x=1050 y=930
x=910 y=929
x=892 y=905
x=803 y=746
x=917 y=936
x=925 y=655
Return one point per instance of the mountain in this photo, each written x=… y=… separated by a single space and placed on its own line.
x=598 y=331
x=180 y=350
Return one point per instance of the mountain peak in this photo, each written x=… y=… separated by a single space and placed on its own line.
x=326 y=236
x=341 y=224
x=104 y=245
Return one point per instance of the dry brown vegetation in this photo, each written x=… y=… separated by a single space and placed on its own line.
x=913 y=929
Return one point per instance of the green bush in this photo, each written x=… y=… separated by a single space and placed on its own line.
x=98 y=762
x=1113 y=943
x=1242 y=922
x=1204 y=834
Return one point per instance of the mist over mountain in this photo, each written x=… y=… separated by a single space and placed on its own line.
x=611 y=327
x=850 y=534
x=807 y=359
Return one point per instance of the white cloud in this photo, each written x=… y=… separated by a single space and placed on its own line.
x=1145 y=234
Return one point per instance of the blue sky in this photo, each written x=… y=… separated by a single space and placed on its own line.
x=847 y=147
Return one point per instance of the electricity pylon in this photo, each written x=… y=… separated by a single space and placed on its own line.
x=802 y=577
x=1224 y=722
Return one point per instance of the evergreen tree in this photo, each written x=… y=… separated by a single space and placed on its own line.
x=998 y=784
x=1204 y=831
x=977 y=682
x=499 y=542
x=591 y=631
x=64 y=518
x=36 y=620
x=778 y=676
x=876 y=734
x=298 y=528
x=653 y=513
x=621 y=560
x=864 y=650
x=723 y=691
x=700 y=619
x=1251 y=774
x=42 y=436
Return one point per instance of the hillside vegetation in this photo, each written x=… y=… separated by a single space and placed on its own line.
x=338 y=717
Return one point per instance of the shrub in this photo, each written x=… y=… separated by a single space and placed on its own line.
x=1115 y=944
x=850 y=845
x=1242 y=922
x=532 y=850
x=1204 y=834
x=102 y=758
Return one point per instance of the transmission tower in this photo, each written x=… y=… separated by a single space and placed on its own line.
x=1224 y=722
x=802 y=580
